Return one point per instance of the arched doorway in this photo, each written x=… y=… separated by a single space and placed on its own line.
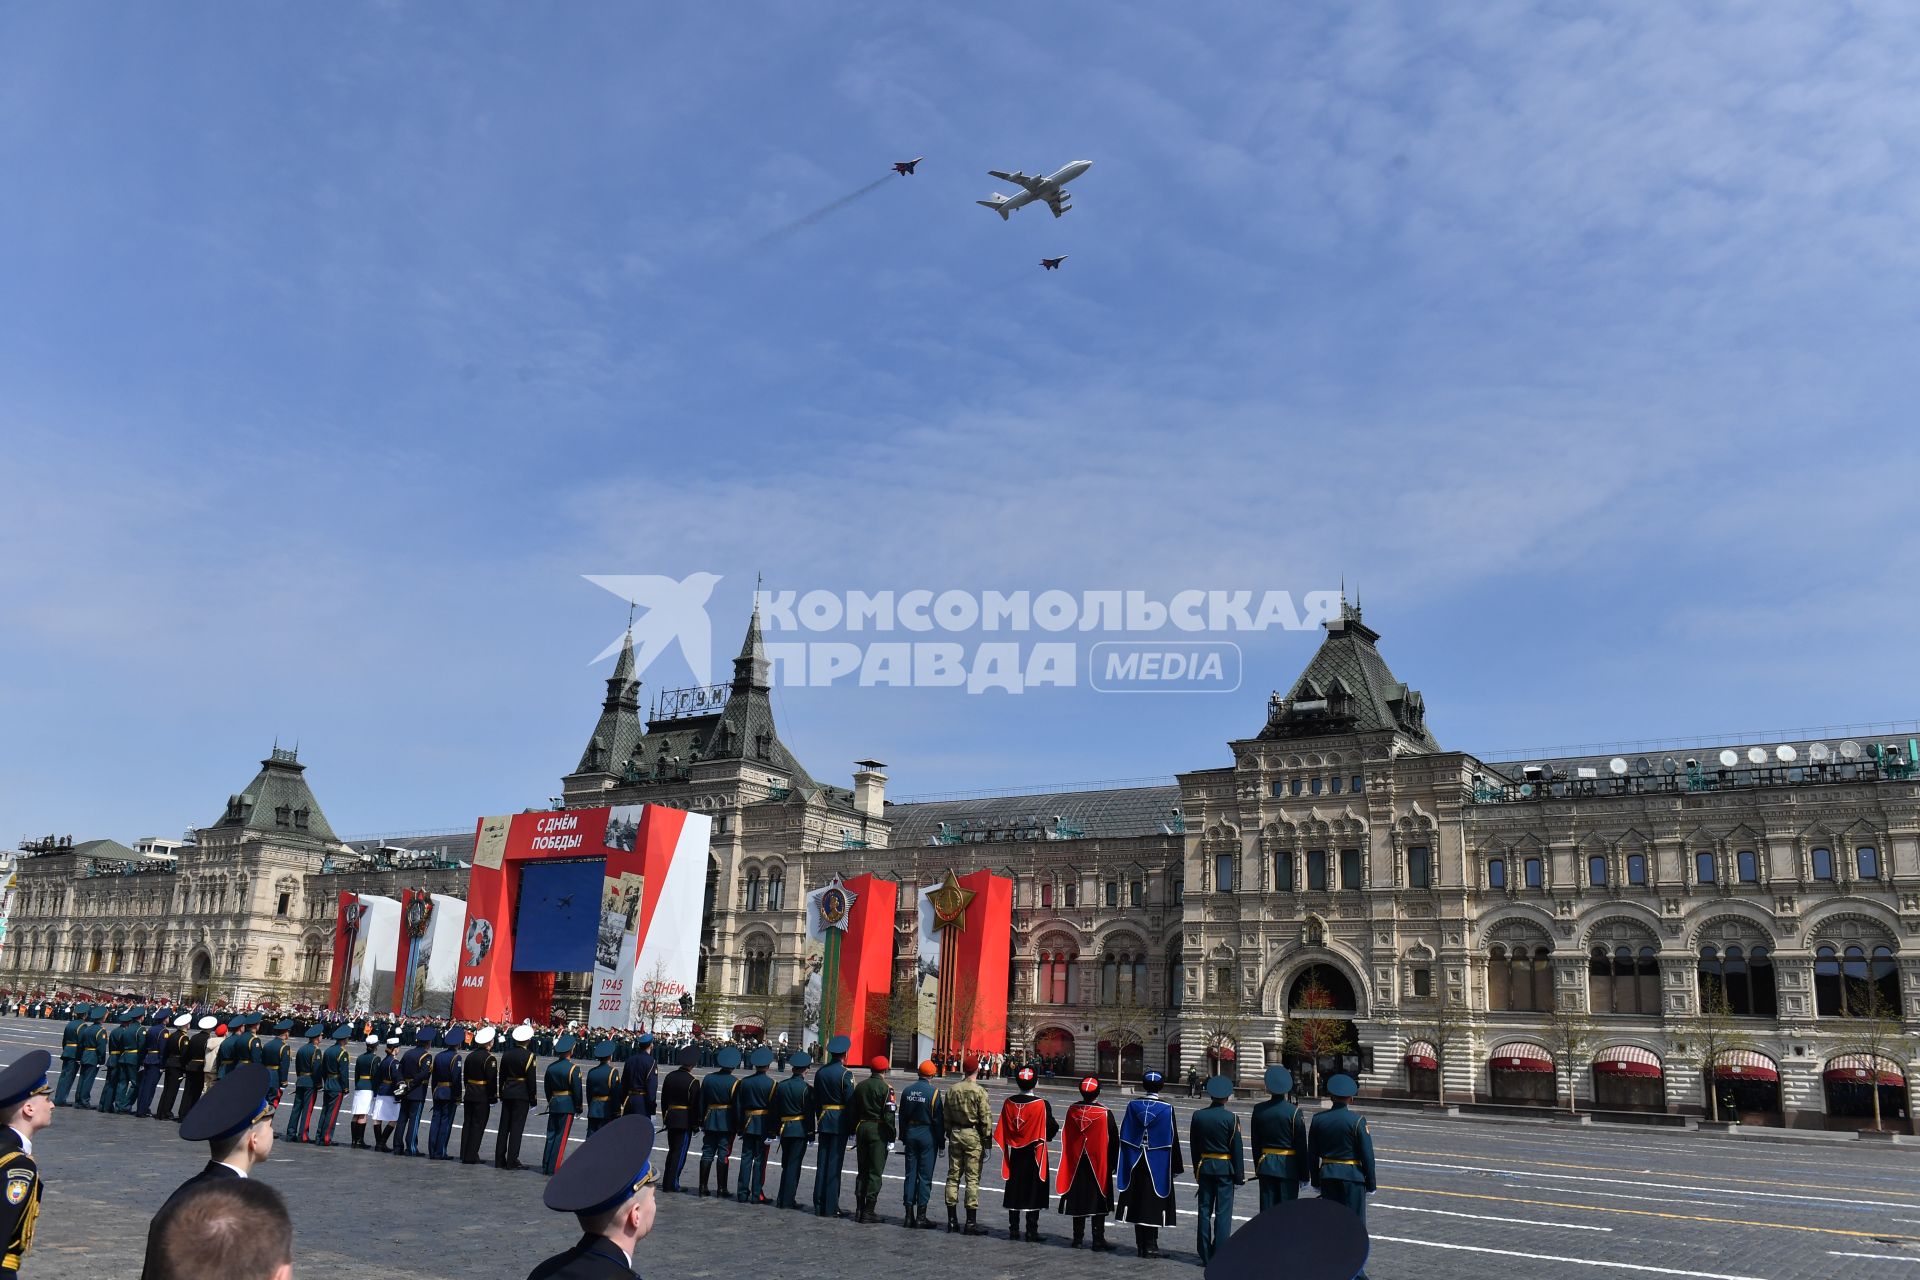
x=1320 y=1038
x=1423 y=1070
x=1121 y=1059
x=1746 y=1089
x=1053 y=1049
x=1522 y=1073
x=1628 y=1078
x=200 y=971
x=1866 y=1091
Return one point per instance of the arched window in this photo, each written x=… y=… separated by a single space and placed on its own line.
x=1822 y=864
x=759 y=972
x=1496 y=873
x=1623 y=980
x=753 y=891
x=1519 y=978
x=1855 y=983
x=1738 y=980
x=1636 y=869
x=1703 y=868
x=1223 y=872
x=1283 y=870
x=1053 y=980
x=1867 y=862
x=1176 y=977
x=1747 y=867
x=1534 y=874
x=776 y=889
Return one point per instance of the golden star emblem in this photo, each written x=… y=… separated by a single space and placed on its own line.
x=950 y=903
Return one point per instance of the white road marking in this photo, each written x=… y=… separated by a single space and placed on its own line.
x=1877 y=1257
x=1531 y=1175
x=1578 y=1262
x=1487 y=1217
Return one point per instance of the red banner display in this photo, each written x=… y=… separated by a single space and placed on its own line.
x=649 y=913
x=866 y=967
x=979 y=955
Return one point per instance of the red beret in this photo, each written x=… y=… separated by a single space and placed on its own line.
x=880 y=1063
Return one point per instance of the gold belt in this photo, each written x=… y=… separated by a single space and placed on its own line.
x=831 y=1106
x=791 y=1119
x=1276 y=1151
x=1215 y=1155
x=751 y=1114
x=1353 y=1162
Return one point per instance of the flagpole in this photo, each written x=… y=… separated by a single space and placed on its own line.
x=829 y=987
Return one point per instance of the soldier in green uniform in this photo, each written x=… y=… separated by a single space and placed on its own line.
x=1340 y=1151
x=336 y=1077
x=923 y=1127
x=1279 y=1141
x=969 y=1128
x=124 y=1063
x=306 y=1083
x=566 y=1086
x=752 y=1102
x=69 y=1057
x=276 y=1055
x=603 y=1088
x=873 y=1135
x=793 y=1118
x=93 y=1049
x=679 y=1108
x=1219 y=1155
x=716 y=1117
x=832 y=1091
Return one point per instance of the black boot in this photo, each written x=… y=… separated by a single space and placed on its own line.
x=953 y=1218
x=973 y=1227
x=925 y=1224
x=720 y=1181
x=909 y=1219
x=1033 y=1227
x=380 y=1132
x=360 y=1134
x=1013 y=1225
x=705 y=1171
x=1100 y=1244
x=1079 y=1232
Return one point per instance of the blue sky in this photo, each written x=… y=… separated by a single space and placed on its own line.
x=340 y=343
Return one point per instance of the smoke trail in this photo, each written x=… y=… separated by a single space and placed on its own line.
x=824 y=211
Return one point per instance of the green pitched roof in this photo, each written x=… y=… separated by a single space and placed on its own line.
x=1348 y=688
x=278 y=802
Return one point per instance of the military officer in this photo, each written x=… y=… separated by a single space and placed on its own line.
x=679 y=1106
x=93 y=1050
x=608 y=1186
x=179 y=1043
x=276 y=1055
x=444 y=1083
x=306 y=1085
x=566 y=1086
x=416 y=1069
x=116 y=1061
x=26 y=1107
x=360 y=1101
x=481 y=1089
x=638 y=1078
x=873 y=1134
x=1089 y=1146
x=603 y=1088
x=1219 y=1165
x=1340 y=1151
x=336 y=1077
x=193 y=1066
x=716 y=1117
x=793 y=1120
x=969 y=1128
x=388 y=1082
x=1279 y=1141
x=754 y=1122
x=1149 y=1162
x=923 y=1129
x=235 y=1120
x=832 y=1091
x=518 y=1080
x=69 y=1056
x=153 y=1057
x=1025 y=1128
x=233 y=1049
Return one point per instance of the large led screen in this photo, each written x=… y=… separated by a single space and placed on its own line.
x=558 y=917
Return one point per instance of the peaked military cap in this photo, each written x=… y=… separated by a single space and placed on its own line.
x=283 y=1026
x=727 y=1059
x=1341 y=1086
x=1279 y=1080
x=208 y=1022
x=342 y=1033
x=25 y=1078
x=840 y=1044
x=242 y=1097
x=183 y=1019
x=423 y=1035
x=646 y=1038
x=315 y=1031
x=603 y=1050
x=563 y=1046
x=454 y=1037
x=688 y=1055
x=799 y=1062
x=606 y=1172
x=522 y=1033
x=1319 y=1238
x=1219 y=1087
x=484 y=1036
x=762 y=1057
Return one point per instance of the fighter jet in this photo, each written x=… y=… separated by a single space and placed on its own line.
x=1053 y=264
x=1052 y=189
x=905 y=167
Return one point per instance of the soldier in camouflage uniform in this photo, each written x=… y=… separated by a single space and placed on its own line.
x=969 y=1122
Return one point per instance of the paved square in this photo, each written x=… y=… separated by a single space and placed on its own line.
x=1458 y=1199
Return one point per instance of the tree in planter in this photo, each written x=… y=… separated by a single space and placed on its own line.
x=1874 y=1032
x=1314 y=1031
x=1570 y=1035
x=1716 y=1034
x=1221 y=1018
x=1127 y=1021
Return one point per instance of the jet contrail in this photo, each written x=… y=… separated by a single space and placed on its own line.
x=802 y=223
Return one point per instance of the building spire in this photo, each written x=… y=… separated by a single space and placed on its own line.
x=623 y=690
x=750 y=668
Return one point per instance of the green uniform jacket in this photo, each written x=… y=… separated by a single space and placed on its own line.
x=832 y=1091
x=793 y=1108
x=603 y=1086
x=1339 y=1148
x=964 y=1107
x=1279 y=1140
x=566 y=1086
x=872 y=1104
x=1215 y=1140
x=716 y=1101
x=751 y=1104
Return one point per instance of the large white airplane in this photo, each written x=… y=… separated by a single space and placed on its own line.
x=1052 y=189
